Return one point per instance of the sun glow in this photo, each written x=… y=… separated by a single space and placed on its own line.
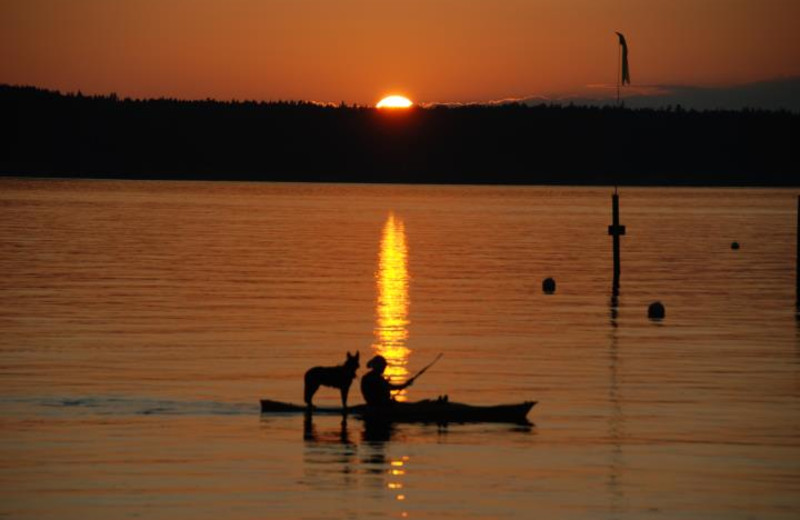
x=392 y=278
x=394 y=102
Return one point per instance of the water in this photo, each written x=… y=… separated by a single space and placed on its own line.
x=141 y=323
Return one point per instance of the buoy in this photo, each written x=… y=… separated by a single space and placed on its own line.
x=734 y=245
x=549 y=286
x=656 y=311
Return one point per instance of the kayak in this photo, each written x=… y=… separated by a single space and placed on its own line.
x=428 y=411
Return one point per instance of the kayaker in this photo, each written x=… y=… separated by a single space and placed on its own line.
x=375 y=388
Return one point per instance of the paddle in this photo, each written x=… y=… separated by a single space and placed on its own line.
x=425 y=368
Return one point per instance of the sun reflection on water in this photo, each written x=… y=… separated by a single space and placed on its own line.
x=391 y=329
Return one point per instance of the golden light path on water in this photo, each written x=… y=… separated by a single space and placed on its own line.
x=392 y=279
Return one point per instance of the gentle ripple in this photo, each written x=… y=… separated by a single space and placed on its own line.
x=143 y=320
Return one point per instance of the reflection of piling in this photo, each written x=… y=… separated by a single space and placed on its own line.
x=614 y=304
x=616 y=230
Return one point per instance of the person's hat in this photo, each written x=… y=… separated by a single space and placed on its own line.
x=376 y=362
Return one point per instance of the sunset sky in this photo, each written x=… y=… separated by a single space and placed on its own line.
x=357 y=51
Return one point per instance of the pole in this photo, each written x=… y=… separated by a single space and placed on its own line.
x=797 y=258
x=615 y=236
x=619 y=70
x=615 y=230
x=426 y=367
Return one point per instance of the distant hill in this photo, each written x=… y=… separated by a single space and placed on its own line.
x=53 y=134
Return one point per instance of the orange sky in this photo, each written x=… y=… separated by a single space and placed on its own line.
x=359 y=50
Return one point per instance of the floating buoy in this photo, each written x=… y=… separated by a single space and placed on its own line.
x=549 y=286
x=735 y=245
x=656 y=311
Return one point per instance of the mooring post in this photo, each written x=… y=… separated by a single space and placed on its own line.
x=797 y=260
x=615 y=230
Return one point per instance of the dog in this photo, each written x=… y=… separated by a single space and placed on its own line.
x=340 y=377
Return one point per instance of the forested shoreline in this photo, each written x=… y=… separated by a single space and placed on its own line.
x=77 y=136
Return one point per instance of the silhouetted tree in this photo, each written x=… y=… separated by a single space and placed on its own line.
x=103 y=136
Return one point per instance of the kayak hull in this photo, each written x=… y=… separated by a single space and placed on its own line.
x=430 y=411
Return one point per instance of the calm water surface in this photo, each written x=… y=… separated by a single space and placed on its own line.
x=141 y=323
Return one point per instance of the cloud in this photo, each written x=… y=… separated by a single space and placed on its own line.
x=529 y=100
x=777 y=94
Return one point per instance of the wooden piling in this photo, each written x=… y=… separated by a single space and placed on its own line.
x=616 y=230
x=797 y=260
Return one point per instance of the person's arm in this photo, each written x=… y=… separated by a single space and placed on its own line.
x=403 y=385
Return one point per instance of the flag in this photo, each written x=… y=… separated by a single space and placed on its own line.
x=626 y=76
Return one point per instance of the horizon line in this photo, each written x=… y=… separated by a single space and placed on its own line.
x=656 y=93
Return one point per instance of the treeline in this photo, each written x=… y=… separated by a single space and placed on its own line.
x=72 y=135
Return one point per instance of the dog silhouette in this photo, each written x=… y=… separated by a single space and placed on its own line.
x=340 y=376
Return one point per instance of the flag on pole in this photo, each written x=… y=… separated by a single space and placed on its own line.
x=626 y=76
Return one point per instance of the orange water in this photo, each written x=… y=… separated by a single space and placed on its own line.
x=141 y=322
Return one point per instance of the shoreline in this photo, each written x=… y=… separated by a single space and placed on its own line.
x=44 y=177
x=74 y=136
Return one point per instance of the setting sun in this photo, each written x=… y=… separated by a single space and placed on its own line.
x=394 y=102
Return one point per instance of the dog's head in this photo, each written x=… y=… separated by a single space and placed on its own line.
x=352 y=363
